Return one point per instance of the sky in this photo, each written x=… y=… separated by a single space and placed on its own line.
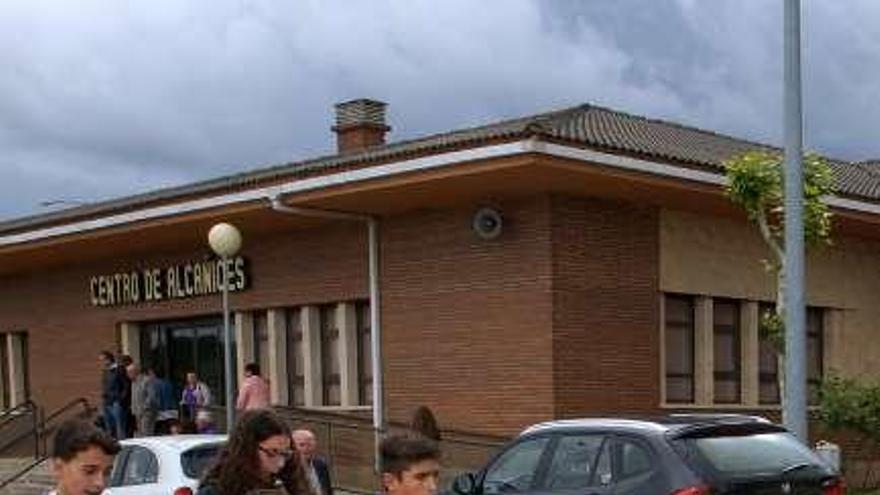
x=105 y=98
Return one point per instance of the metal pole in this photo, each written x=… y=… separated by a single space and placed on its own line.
x=227 y=348
x=794 y=411
x=376 y=343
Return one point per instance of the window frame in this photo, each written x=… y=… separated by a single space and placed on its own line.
x=540 y=467
x=604 y=438
x=690 y=326
x=118 y=475
x=331 y=376
x=735 y=332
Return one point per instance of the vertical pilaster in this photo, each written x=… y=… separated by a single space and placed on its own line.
x=346 y=319
x=750 y=351
x=704 y=352
x=15 y=351
x=313 y=383
x=276 y=322
x=244 y=339
x=131 y=340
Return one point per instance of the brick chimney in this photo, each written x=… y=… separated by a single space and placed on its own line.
x=360 y=124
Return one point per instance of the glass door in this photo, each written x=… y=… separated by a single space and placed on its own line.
x=175 y=348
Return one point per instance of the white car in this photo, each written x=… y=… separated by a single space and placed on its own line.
x=167 y=465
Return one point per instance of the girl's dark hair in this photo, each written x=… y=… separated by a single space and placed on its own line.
x=424 y=423
x=237 y=470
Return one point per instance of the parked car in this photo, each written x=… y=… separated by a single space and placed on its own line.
x=677 y=455
x=167 y=465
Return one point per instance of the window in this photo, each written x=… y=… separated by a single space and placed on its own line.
x=196 y=461
x=685 y=363
x=727 y=355
x=140 y=467
x=768 y=358
x=515 y=470
x=365 y=353
x=295 y=368
x=14 y=372
x=768 y=371
x=261 y=341
x=679 y=336
x=5 y=382
x=742 y=456
x=815 y=352
x=572 y=465
x=635 y=460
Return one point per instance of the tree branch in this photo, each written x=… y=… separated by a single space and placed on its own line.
x=768 y=237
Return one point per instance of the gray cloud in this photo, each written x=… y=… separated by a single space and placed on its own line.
x=102 y=98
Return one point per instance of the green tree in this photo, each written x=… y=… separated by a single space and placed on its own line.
x=846 y=404
x=755 y=182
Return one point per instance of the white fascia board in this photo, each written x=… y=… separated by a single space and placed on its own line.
x=532 y=145
x=625 y=162
x=265 y=193
x=851 y=204
x=628 y=163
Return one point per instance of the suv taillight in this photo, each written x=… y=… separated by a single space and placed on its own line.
x=184 y=490
x=692 y=490
x=837 y=487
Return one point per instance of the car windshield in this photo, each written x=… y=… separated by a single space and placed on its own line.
x=197 y=460
x=761 y=454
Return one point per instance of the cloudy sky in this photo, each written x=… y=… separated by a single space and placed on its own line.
x=102 y=98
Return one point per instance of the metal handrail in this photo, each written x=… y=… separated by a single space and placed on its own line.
x=11 y=414
x=23 y=471
x=39 y=425
x=34 y=410
x=40 y=434
x=61 y=410
x=338 y=419
x=40 y=438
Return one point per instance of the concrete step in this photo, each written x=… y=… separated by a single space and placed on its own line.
x=37 y=481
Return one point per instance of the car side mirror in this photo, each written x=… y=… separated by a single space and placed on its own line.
x=464 y=484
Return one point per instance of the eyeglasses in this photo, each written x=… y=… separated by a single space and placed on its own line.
x=286 y=454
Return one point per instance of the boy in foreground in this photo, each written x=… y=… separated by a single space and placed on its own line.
x=410 y=465
x=82 y=457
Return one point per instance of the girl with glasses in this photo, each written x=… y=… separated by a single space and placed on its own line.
x=259 y=458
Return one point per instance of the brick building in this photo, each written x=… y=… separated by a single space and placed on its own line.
x=622 y=280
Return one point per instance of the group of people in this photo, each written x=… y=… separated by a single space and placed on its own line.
x=262 y=456
x=136 y=401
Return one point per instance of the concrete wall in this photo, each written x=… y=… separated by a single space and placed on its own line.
x=718 y=256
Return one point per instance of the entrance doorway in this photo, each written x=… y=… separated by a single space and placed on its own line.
x=174 y=348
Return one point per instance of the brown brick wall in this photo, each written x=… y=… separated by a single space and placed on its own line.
x=466 y=321
x=605 y=311
x=65 y=332
x=471 y=327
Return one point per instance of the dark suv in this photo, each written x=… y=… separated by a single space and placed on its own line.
x=677 y=455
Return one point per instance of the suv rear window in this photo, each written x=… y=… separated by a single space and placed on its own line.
x=751 y=455
x=197 y=460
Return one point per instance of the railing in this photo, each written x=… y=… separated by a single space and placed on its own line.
x=42 y=433
x=12 y=413
x=41 y=430
x=23 y=471
x=9 y=418
x=347 y=440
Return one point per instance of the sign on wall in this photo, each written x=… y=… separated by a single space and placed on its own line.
x=174 y=282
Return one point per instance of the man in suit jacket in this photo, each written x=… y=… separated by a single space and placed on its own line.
x=316 y=467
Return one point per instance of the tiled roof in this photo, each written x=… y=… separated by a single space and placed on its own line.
x=584 y=125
